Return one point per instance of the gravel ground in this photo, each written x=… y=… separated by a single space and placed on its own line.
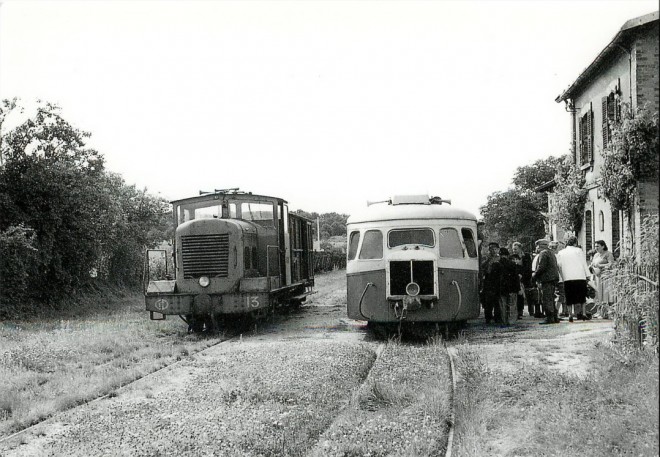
x=305 y=383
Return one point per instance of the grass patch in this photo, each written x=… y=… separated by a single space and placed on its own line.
x=539 y=411
x=402 y=408
x=52 y=364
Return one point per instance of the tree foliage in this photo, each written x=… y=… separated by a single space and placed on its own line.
x=514 y=216
x=530 y=177
x=331 y=224
x=74 y=217
x=569 y=196
x=517 y=214
x=631 y=156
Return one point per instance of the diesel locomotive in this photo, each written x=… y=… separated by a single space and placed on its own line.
x=234 y=254
x=412 y=259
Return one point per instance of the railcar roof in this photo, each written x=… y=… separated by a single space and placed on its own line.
x=226 y=196
x=384 y=212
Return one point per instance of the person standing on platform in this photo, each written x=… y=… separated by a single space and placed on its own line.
x=546 y=276
x=526 y=280
x=573 y=267
x=490 y=284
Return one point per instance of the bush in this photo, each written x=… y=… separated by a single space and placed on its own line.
x=63 y=218
x=634 y=282
x=17 y=261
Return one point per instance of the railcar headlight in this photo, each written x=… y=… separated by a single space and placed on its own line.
x=204 y=281
x=412 y=289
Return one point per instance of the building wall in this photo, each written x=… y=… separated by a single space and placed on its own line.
x=646 y=68
x=636 y=75
x=614 y=76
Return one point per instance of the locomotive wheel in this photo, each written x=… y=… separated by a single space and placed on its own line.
x=195 y=323
x=379 y=330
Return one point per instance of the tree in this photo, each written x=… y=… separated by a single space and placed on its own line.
x=569 y=195
x=58 y=204
x=517 y=214
x=514 y=215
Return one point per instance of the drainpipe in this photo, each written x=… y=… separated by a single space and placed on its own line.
x=630 y=80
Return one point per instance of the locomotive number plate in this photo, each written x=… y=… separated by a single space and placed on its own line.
x=252 y=301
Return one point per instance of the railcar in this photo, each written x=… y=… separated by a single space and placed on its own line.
x=412 y=259
x=234 y=254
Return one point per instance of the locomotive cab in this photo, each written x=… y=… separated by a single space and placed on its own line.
x=233 y=254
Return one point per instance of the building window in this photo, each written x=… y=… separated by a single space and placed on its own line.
x=588 y=232
x=611 y=113
x=616 y=234
x=587 y=138
x=601 y=221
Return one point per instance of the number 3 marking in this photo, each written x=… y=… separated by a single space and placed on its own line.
x=252 y=301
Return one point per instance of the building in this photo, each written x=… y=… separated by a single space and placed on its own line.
x=625 y=71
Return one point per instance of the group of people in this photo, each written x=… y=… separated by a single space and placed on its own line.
x=556 y=278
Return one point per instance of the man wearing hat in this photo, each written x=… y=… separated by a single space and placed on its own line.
x=547 y=276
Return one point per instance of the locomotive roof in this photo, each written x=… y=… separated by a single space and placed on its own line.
x=382 y=212
x=226 y=196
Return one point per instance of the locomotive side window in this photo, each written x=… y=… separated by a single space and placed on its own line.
x=422 y=237
x=353 y=241
x=468 y=239
x=260 y=213
x=450 y=244
x=372 y=245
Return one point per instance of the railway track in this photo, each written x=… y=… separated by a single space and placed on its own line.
x=18 y=434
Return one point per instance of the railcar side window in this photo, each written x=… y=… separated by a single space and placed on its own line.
x=372 y=245
x=468 y=239
x=422 y=237
x=353 y=241
x=450 y=244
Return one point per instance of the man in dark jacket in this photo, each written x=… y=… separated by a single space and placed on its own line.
x=547 y=276
x=526 y=280
x=509 y=287
x=490 y=284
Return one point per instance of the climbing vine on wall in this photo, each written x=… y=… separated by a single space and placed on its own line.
x=569 y=196
x=631 y=157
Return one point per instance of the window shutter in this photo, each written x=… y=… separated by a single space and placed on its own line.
x=606 y=130
x=590 y=136
x=581 y=135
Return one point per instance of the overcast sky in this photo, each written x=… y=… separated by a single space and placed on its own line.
x=325 y=104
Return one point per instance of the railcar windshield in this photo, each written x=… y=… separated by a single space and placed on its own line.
x=450 y=244
x=258 y=212
x=423 y=237
x=372 y=245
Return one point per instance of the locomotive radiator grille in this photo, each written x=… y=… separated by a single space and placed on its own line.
x=205 y=255
x=418 y=271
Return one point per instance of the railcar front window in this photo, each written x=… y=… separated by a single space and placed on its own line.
x=353 y=241
x=372 y=245
x=259 y=213
x=468 y=239
x=450 y=244
x=423 y=237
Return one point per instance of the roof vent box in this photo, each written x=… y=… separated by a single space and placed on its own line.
x=411 y=200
